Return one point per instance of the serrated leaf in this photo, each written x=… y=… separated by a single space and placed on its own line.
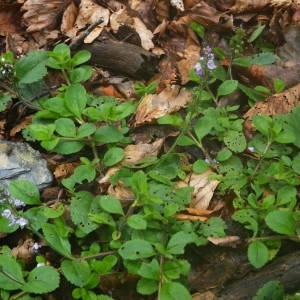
x=32 y=67
x=174 y=291
x=258 y=254
x=56 y=241
x=111 y=204
x=281 y=221
x=76 y=271
x=227 y=87
x=136 y=249
x=25 y=190
x=42 y=280
x=11 y=276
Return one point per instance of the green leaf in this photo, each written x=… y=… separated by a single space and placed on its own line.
x=54 y=212
x=214 y=227
x=227 y=87
x=113 y=156
x=137 y=222
x=76 y=271
x=203 y=127
x=36 y=217
x=11 y=276
x=42 y=280
x=223 y=155
x=184 y=140
x=4 y=100
x=175 y=268
x=32 y=67
x=150 y=270
x=256 y=33
x=80 y=57
x=263 y=59
x=105 y=265
x=65 y=127
x=262 y=124
x=258 y=254
x=285 y=137
x=198 y=28
x=136 y=249
x=41 y=132
x=80 y=74
x=56 y=241
x=85 y=130
x=270 y=290
x=75 y=99
x=108 y=134
x=178 y=241
x=296 y=164
x=147 y=286
x=286 y=195
x=25 y=190
x=175 y=120
x=235 y=141
x=81 y=205
x=174 y=291
x=68 y=147
x=200 y=166
x=102 y=218
x=279 y=85
x=281 y=221
x=110 y=204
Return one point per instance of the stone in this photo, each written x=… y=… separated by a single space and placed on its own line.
x=19 y=161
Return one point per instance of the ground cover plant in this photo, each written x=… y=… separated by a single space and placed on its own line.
x=146 y=237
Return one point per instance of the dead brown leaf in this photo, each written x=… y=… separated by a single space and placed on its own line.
x=228 y=241
x=42 y=14
x=185 y=217
x=170 y=100
x=281 y=103
x=20 y=126
x=64 y=170
x=121 y=192
x=135 y=153
x=9 y=18
x=203 y=188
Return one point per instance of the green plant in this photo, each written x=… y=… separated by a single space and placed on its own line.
x=142 y=236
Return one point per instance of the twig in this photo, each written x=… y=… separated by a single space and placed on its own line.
x=78 y=41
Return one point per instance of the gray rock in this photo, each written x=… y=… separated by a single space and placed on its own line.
x=20 y=161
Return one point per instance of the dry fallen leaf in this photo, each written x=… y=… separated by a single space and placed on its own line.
x=170 y=100
x=228 y=241
x=281 y=103
x=203 y=188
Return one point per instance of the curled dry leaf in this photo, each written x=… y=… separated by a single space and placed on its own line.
x=203 y=188
x=42 y=14
x=170 y=100
x=135 y=153
x=121 y=192
x=69 y=18
x=24 y=251
x=89 y=12
x=281 y=103
x=185 y=217
x=20 y=126
x=64 y=170
x=228 y=241
x=125 y=17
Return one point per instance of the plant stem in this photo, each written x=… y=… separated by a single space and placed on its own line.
x=274 y=237
x=96 y=255
x=17 y=296
x=261 y=159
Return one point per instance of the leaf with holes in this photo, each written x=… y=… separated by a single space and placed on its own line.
x=76 y=271
x=81 y=205
x=136 y=249
x=235 y=141
x=42 y=280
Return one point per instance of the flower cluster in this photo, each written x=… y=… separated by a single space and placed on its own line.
x=206 y=62
x=13 y=219
x=6 y=69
